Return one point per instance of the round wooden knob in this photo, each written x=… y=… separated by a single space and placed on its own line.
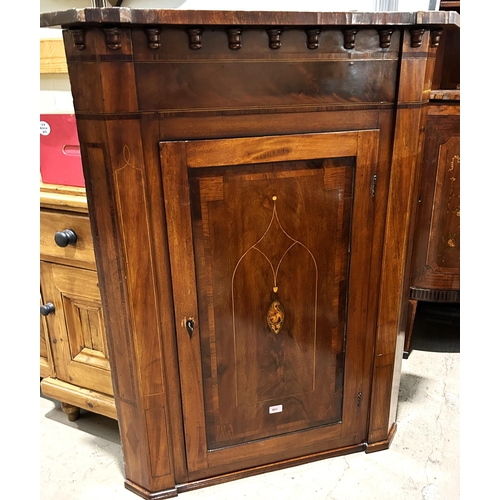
x=47 y=309
x=65 y=238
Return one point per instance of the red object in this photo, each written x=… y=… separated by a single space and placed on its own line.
x=60 y=158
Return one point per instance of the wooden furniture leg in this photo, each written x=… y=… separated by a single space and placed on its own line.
x=73 y=412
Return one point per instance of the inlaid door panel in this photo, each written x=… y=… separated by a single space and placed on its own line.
x=444 y=241
x=260 y=240
x=281 y=324
x=436 y=251
x=76 y=327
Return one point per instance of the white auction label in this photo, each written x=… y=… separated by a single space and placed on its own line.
x=276 y=409
x=44 y=128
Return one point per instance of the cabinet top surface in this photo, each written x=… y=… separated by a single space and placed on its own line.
x=129 y=16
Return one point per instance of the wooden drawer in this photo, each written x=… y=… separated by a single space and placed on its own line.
x=79 y=254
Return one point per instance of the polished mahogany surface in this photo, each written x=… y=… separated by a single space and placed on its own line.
x=434 y=256
x=274 y=271
x=249 y=179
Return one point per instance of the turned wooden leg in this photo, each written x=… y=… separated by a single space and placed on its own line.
x=73 y=412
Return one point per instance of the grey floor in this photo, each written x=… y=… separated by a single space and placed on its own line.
x=82 y=460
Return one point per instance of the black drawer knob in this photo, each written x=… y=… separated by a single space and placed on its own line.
x=47 y=309
x=65 y=238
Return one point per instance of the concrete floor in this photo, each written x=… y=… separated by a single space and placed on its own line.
x=82 y=460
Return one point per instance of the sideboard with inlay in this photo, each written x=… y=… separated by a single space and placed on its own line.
x=249 y=178
x=434 y=257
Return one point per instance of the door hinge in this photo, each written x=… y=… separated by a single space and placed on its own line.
x=359 y=399
x=374 y=184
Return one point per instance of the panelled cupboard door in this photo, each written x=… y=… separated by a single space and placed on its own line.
x=270 y=244
x=76 y=328
x=436 y=260
x=45 y=357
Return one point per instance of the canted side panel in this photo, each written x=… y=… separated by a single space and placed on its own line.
x=128 y=237
x=417 y=61
x=94 y=154
x=122 y=228
x=135 y=230
x=274 y=307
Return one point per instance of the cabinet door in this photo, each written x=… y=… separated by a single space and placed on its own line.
x=76 y=328
x=270 y=242
x=46 y=369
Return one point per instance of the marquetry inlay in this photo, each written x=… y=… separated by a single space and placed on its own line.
x=276 y=313
x=275 y=316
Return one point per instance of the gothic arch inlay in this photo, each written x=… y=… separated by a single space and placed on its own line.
x=276 y=313
x=271 y=251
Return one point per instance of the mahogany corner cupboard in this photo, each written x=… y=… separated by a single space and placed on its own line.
x=249 y=179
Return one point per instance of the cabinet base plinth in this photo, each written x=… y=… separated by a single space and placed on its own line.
x=233 y=476
x=382 y=445
x=148 y=495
